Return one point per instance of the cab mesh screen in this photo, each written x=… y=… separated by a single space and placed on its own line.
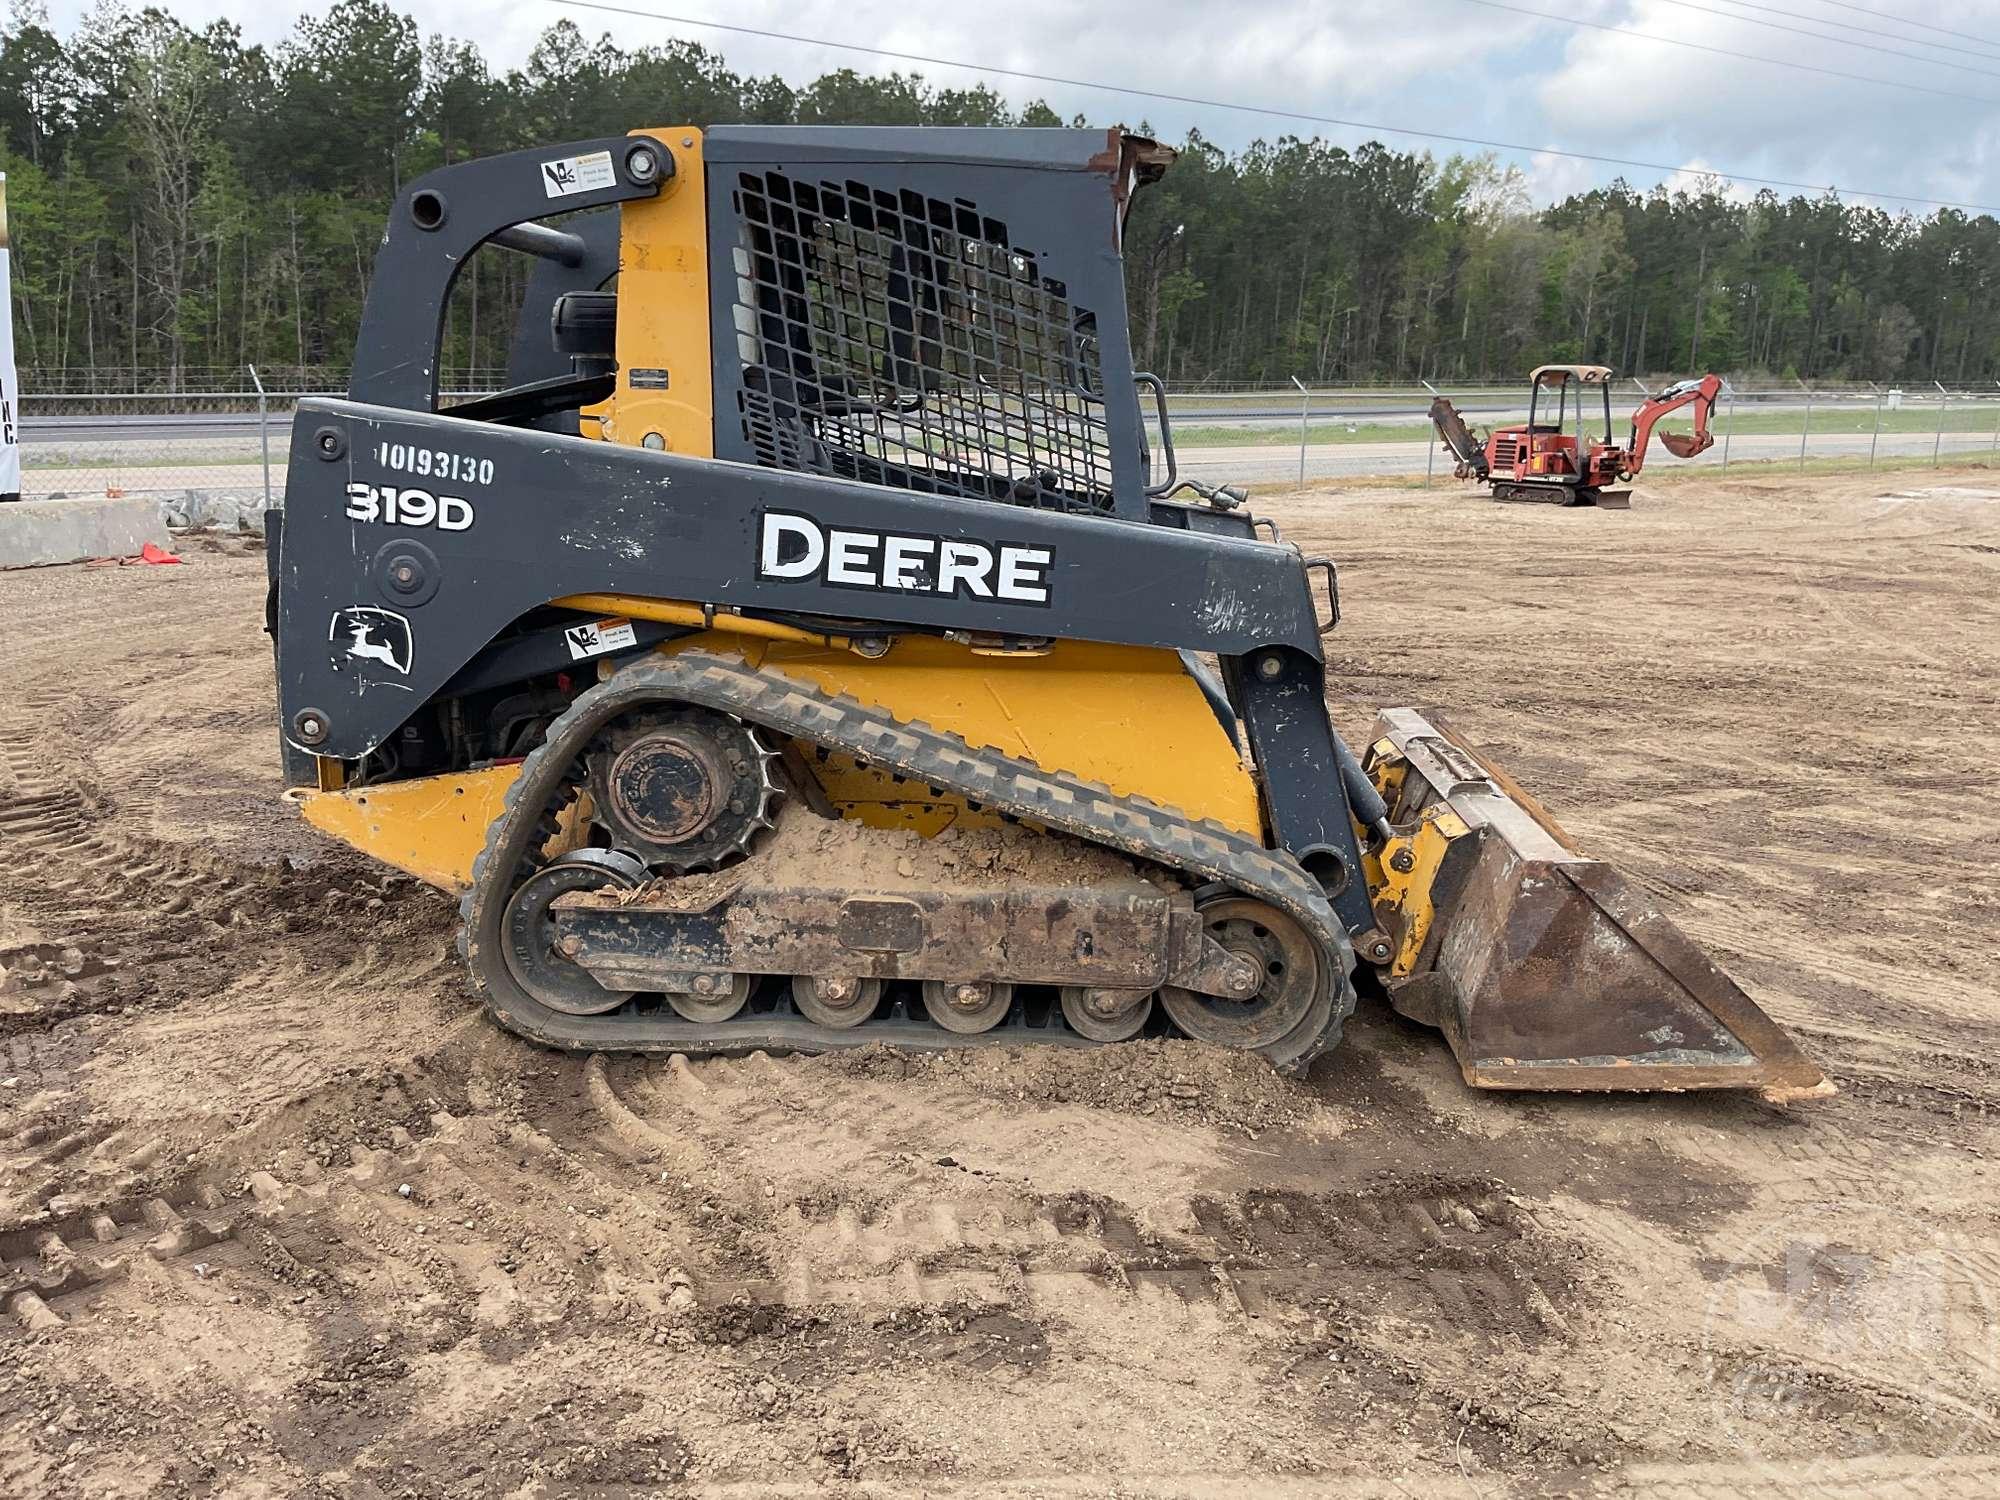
x=899 y=339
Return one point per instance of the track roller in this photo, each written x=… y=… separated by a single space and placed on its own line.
x=713 y=997
x=1106 y=1015
x=837 y=1002
x=967 y=1006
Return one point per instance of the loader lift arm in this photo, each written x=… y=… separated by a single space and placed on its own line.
x=1701 y=393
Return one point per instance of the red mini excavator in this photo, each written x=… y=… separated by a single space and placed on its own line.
x=1552 y=459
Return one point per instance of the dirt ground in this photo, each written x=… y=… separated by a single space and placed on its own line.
x=280 y=1214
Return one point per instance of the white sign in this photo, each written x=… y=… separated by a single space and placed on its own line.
x=578 y=174
x=599 y=636
x=10 y=390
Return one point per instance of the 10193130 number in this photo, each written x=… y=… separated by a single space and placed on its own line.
x=434 y=463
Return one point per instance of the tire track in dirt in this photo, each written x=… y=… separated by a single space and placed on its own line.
x=136 y=952
x=1254 y=1254
x=1020 y=1276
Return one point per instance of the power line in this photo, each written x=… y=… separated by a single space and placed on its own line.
x=1894 y=36
x=1841 y=41
x=1366 y=126
x=1732 y=53
x=1883 y=15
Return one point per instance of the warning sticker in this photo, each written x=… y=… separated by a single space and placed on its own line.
x=578 y=174
x=598 y=637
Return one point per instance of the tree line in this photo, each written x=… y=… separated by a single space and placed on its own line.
x=183 y=205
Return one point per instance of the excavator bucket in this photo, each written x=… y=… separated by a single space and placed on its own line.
x=1546 y=969
x=1685 y=444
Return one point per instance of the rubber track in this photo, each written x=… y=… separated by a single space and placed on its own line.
x=1004 y=783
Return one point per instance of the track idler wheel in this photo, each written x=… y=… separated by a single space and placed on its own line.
x=836 y=1002
x=1106 y=1015
x=530 y=944
x=965 y=1005
x=1281 y=948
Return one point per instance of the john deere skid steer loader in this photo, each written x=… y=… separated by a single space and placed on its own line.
x=800 y=652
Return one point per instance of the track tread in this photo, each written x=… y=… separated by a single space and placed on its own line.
x=912 y=748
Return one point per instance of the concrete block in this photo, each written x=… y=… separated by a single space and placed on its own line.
x=38 y=532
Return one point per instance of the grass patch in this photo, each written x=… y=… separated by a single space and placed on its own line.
x=1977 y=420
x=1970 y=421
x=1318 y=435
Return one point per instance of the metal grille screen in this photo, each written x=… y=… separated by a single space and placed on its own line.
x=899 y=339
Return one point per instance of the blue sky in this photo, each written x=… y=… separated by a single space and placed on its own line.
x=1458 y=66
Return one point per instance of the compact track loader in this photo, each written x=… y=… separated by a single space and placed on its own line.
x=801 y=651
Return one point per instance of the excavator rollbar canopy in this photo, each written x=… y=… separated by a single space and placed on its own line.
x=1588 y=374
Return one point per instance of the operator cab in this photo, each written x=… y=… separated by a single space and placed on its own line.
x=1552 y=447
x=1567 y=388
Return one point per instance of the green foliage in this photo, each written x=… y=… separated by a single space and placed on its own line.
x=184 y=204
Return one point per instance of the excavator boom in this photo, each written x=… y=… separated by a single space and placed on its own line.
x=1701 y=393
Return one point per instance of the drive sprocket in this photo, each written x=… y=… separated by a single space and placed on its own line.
x=685 y=788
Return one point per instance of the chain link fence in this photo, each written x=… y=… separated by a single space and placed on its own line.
x=202 y=455
x=209 y=458
x=1308 y=434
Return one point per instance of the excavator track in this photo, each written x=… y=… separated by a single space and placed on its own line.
x=1204 y=852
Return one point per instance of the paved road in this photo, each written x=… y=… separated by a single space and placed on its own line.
x=89 y=430
x=148 y=471
x=233 y=427
x=97 y=429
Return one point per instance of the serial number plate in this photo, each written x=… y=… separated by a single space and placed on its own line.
x=435 y=463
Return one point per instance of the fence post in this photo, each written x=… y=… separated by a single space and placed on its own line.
x=1431 y=453
x=1305 y=410
x=263 y=431
x=1937 y=446
x=1875 y=436
x=1805 y=432
x=1996 y=425
x=1728 y=424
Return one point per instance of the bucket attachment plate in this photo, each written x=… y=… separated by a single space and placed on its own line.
x=1546 y=969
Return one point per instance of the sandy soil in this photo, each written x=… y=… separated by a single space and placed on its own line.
x=280 y=1214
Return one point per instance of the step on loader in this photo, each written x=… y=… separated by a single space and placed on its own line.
x=806 y=649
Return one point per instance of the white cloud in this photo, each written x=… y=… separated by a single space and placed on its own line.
x=1443 y=65
x=1550 y=178
x=1663 y=102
